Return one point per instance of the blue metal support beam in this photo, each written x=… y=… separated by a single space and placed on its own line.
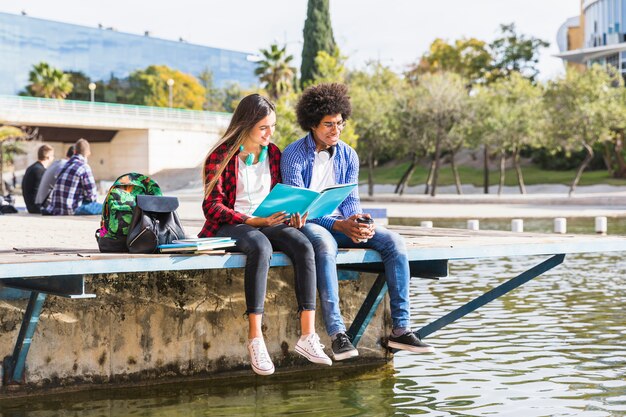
x=14 y=365
x=422 y=269
x=491 y=295
x=368 y=308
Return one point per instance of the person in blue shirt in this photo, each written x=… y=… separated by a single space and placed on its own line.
x=321 y=159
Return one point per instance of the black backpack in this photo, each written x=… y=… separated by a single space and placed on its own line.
x=154 y=223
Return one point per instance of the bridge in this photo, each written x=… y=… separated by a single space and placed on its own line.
x=123 y=137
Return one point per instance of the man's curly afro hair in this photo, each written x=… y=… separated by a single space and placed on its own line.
x=322 y=100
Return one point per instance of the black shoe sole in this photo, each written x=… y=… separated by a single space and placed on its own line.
x=353 y=353
x=410 y=348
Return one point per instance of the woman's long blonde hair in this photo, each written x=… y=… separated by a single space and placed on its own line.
x=250 y=110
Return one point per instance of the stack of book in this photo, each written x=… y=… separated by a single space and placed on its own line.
x=197 y=245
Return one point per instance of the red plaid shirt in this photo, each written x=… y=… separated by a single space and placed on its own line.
x=218 y=206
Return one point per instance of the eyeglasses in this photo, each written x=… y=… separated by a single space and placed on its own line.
x=330 y=125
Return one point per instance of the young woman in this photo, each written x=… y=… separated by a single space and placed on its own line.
x=238 y=173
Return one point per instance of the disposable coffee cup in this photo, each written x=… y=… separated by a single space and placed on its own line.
x=364 y=220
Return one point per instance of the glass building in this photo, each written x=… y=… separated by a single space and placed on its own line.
x=598 y=35
x=103 y=52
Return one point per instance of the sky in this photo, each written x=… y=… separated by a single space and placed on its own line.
x=396 y=32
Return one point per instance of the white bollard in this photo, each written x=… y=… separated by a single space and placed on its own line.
x=473 y=224
x=560 y=225
x=426 y=223
x=517 y=225
x=601 y=225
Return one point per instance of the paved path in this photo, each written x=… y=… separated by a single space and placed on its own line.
x=22 y=229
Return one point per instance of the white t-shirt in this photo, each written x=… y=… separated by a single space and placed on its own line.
x=324 y=174
x=253 y=185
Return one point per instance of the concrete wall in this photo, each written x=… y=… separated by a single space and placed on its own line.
x=170 y=149
x=152 y=326
x=128 y=152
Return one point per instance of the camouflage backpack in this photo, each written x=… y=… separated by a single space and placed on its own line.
x=117 y=210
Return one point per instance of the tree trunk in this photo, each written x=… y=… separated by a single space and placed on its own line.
x=486 y=170
x=429 y=180
x=370 y=173
x=619 y=156
x=582 y=167
x=433 y=189
x=1 y=169
x=455 y=171
x=608 y=159
x=407 y=175
x=502 y=172
x=518 y=170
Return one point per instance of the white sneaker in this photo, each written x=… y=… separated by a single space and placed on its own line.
x=311 y=348
x=259 y=357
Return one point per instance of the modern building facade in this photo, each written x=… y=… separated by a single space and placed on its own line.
x=103 y=52
x=597 y=35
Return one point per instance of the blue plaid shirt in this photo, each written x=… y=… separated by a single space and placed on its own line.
x=74 y=186
x=296 y=166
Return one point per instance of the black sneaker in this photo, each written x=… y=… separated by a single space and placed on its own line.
x=409 y=341
x=342 y=348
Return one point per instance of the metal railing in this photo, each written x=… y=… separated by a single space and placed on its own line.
x=86 y=108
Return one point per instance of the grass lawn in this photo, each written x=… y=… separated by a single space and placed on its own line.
x=390 y=174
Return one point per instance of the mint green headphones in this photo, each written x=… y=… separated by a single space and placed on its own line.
x=250 y=158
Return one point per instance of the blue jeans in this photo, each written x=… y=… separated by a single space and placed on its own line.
x=91 y=208
x=392 y=249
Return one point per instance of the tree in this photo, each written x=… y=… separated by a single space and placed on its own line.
x=467 y=57
x=330 y=68
x=80 y=81
x=213 y=97
x=513 y=52
x=584 y=109
x=49 y=82
x=511 y=119
x=275 y=71
x=440 y=101
x=287 y=128
x=149 y=88
x=374 y=93
x=9 y=135
x=318 y=36
x=414 y=139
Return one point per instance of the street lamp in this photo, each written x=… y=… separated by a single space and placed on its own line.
x=170 y=84
x=92 y=89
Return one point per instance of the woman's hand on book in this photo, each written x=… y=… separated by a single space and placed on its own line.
x=298 y=221
x=274 y=219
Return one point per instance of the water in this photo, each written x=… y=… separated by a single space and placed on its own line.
x=554 y=347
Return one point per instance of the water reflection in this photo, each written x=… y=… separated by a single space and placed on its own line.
x=554 y=347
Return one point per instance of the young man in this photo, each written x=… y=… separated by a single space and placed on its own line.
x=75 y=188
x=33 y=175
x=321 y=159
x=50 y=177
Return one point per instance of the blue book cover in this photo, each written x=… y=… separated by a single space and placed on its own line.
x=301 y=200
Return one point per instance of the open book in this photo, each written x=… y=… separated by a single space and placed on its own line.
x=302 y=200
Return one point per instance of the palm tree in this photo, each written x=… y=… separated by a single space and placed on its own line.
x=49 y=82
x=275 y=71
x=7 y=133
